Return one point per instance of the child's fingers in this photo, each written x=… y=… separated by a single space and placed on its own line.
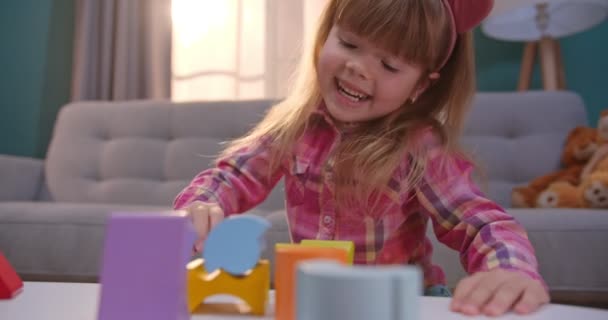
x=498 y=291
x=204 y=218
x=533 y=297
x=198 y=246
x=199 y=213
x=485 y=290
x=463 y=289
x=216 y=215
x=504 y=298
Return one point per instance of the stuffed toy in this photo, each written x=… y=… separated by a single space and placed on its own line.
x=594 y=177
x=580 y=146
x=593 y=191
x=599 y=160
x=560 y=194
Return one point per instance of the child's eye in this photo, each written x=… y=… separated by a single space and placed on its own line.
x=389 y=67
x=347 y=44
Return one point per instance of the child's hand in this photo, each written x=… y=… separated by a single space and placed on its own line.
x=498 y=291
x=204 y=217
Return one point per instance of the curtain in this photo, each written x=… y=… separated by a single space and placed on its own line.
x=238 y=49
x=122 y=50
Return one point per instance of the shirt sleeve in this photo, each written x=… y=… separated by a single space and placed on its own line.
x=465 y=220
x=238 y=182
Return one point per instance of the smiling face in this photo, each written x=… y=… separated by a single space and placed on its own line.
x=361 y=82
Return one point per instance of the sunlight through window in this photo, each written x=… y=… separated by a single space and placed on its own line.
x=218 y=49
x=238 y=49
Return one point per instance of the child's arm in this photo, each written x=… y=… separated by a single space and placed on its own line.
x=465 y=220
x=239 y=182
x=487 y=238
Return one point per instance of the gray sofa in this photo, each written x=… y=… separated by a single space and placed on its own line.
x=136 y=156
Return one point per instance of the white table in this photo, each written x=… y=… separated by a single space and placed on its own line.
x=79 y=301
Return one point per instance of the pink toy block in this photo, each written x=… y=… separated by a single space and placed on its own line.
x=10 y=283
x=143 y=274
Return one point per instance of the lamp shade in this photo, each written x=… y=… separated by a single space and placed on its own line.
x=533 y=20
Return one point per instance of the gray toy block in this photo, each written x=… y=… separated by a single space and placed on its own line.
x=330 y=291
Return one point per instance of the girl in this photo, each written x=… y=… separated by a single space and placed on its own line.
x=367 y=144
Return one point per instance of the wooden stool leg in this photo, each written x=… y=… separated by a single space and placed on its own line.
x=548 y=64
x=527 y=65
x=561 y=73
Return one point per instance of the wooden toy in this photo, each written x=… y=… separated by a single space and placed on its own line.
x=349 y=246
x=231 y=264
x=143 y=274
x=327 y=290
x=10 y=283
x=235 y=244
x=252 y=288
x=287 y=256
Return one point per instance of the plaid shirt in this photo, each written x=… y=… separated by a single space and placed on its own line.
x=395 y=232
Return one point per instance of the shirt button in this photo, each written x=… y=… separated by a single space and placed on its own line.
x=327 y=220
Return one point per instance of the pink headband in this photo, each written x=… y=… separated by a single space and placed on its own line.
x=464 y=16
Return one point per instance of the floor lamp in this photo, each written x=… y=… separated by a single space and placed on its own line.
x=539 y=23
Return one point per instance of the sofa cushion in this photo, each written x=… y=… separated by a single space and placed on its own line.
x=20 y=178
x=59 y=239
x=65 y=240
x=140 y=152
x=516 y=137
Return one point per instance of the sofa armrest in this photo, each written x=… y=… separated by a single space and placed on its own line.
x=20 y=178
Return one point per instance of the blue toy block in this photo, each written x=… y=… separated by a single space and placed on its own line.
x=328 y=290
x=143 y=274
x=235 y=244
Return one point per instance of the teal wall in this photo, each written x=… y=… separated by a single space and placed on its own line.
x=36 y=60
x=585 y=56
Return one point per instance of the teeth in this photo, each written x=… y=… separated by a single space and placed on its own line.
x=353 y=93
x=348 y=96
x=357 y=96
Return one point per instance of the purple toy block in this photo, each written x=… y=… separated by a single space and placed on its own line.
x=143 y=274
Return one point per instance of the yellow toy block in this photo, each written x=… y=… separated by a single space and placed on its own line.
x=285 y=245
x=253 y=287
x=349 y=246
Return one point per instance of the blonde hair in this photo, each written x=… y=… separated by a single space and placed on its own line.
x=416 y=30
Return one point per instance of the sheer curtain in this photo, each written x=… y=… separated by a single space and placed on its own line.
x=238 y=49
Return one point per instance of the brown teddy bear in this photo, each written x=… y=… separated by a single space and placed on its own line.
x=599 y=160
x=594 y=177
x=581 y=144
x=593 y=191
x=560 y=194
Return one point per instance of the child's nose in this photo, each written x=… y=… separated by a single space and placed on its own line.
x=357 y=68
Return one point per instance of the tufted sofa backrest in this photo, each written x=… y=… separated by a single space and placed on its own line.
x=145 y=152
x=141 y=152
x=515 y=137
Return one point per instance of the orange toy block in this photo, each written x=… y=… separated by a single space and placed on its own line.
x=349 y=246
x=10 y=283
x=252 y=288
x=287 y=258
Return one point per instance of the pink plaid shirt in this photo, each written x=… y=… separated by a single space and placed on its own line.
x=395 y=232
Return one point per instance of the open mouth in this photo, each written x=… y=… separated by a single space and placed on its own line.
x=350 y=93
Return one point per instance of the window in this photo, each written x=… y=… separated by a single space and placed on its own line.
x=237 y=49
